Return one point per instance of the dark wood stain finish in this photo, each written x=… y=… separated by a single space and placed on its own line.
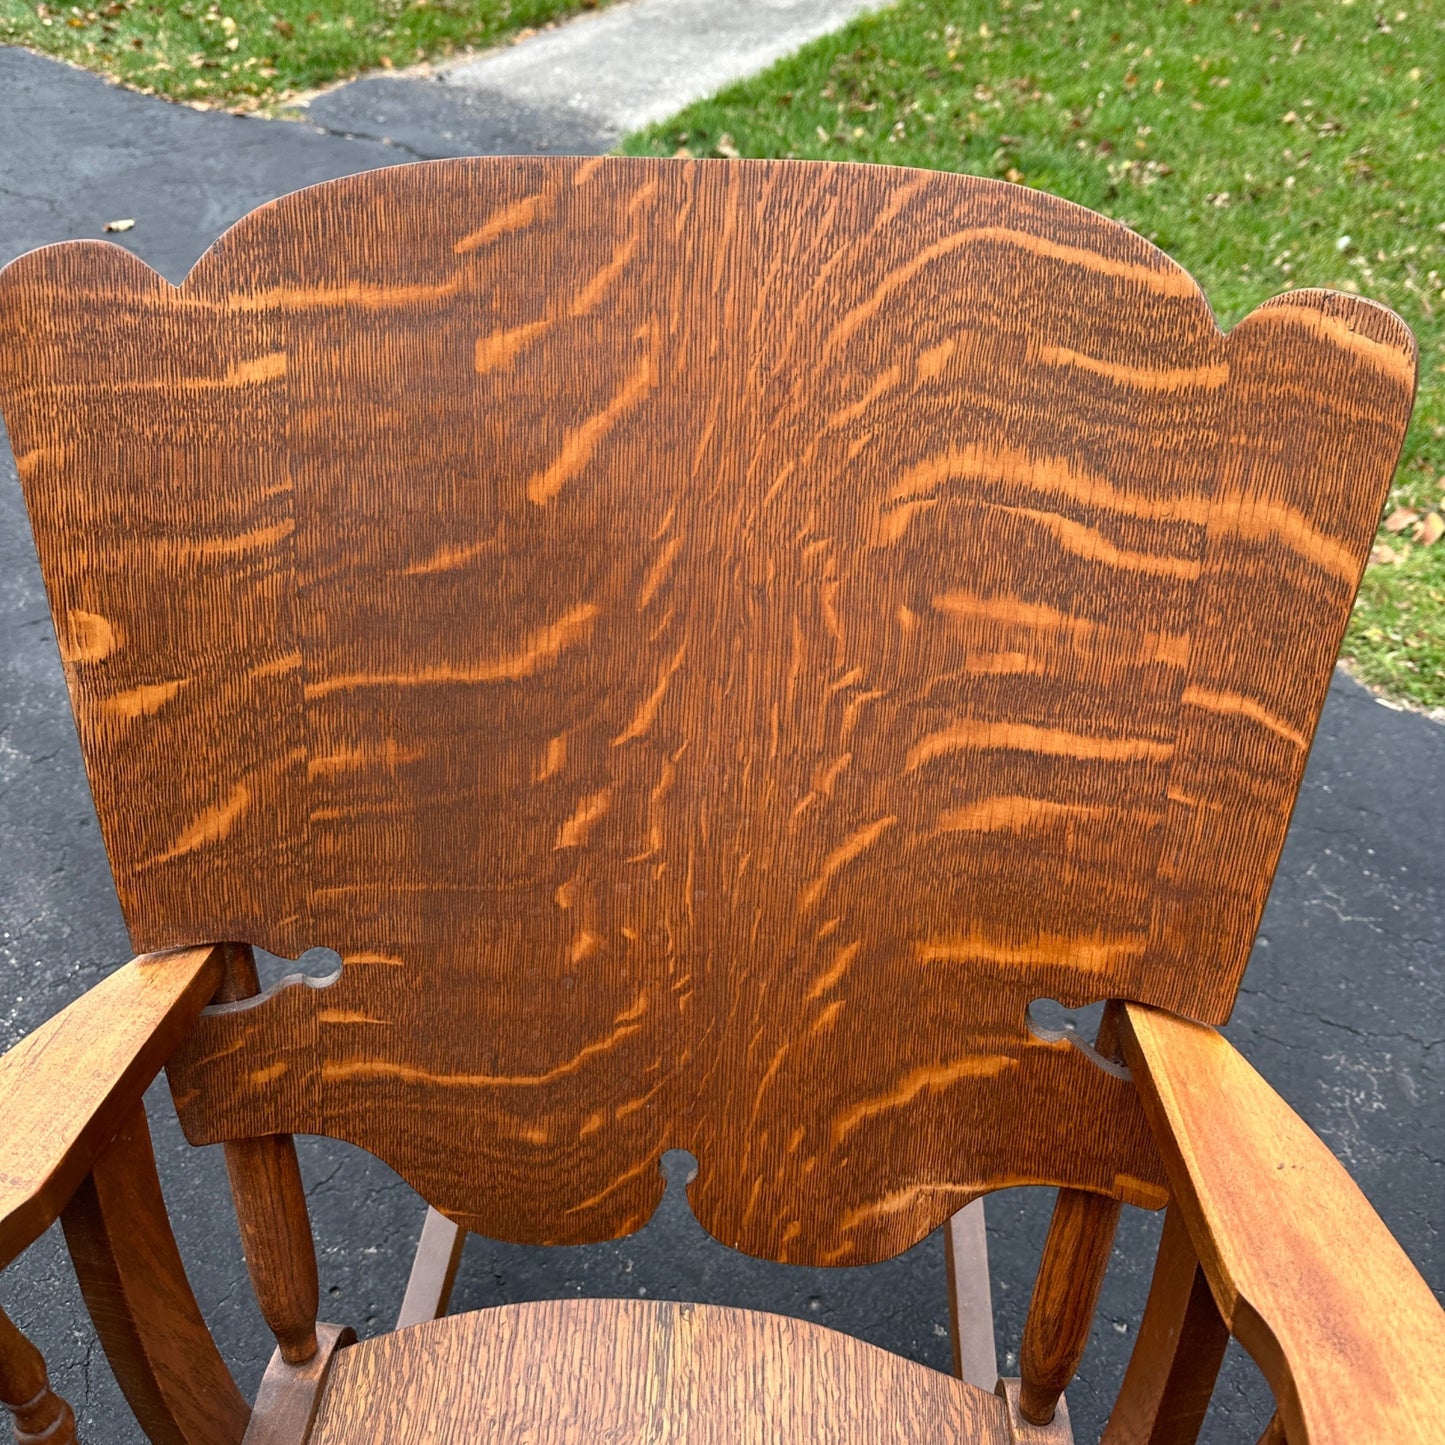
x=707 y=644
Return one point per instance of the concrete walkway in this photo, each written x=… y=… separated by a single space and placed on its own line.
x=1343 y=1007
x=581 y=86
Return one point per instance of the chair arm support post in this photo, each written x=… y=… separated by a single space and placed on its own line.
x=141 y=1302
x=1066 y=1291
x=270 y=1202
x=38 y=1413
x=270 y=1205
x=1303 y=1271
x=1177 y=1351
x=1066 y=1294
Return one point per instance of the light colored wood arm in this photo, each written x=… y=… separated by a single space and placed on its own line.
x=1303 y=1270
x=68 y=1087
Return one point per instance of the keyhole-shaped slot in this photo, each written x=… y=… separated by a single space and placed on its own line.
x=1054 y=1023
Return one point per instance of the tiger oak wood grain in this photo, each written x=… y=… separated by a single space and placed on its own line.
x=707 y=644
x=1302 y=1269
x=142 y=1305
x=67 y=1087
x=270 y=1201
x=635 y=1370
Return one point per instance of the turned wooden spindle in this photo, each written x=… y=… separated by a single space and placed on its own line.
x=39 y=1414
x=1066 y=1293
x=271 y=1208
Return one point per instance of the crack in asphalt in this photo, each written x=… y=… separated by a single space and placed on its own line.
x=1315 y=1016
x=355 y=135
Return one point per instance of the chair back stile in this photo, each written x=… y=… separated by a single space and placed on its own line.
x=708 y=645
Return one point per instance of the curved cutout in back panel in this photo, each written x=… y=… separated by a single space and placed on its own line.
x=1050 y=1019
x=706 y=644
x=318 y=966
x=1050 y=1022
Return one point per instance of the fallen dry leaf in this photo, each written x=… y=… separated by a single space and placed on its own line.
x=1401 y=518
x=1384 y=556
x=125 y=225
x=1431 y=530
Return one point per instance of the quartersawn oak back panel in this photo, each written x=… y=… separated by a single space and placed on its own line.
x=707 y=643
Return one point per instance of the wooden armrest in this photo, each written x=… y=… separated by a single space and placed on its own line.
x=1304 y=1272
x=67 y=1088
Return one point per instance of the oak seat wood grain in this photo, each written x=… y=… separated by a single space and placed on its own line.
x=632 y=1370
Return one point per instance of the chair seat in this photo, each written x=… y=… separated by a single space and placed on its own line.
x=622 y=1370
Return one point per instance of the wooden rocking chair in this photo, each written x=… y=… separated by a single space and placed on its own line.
x=708 y=645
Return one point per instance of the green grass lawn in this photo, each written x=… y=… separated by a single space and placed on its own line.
x=243 y=54
x=1284 y=144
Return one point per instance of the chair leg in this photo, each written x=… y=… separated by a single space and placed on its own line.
x=433 y=1271
x=1177 y=1355
x=38 y=1413
x=970 y=1297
